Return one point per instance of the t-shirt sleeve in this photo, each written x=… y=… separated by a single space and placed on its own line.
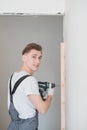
x=31 y=86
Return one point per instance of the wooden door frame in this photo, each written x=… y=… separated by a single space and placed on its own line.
x=63 y=80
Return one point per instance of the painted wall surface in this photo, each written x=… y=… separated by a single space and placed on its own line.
x=32 y=6
x=75 y=36
x=15 y=33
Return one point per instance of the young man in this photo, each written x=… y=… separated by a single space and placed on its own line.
x=26 y=102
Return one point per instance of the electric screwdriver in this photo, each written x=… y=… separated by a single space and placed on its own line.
x=43 y=87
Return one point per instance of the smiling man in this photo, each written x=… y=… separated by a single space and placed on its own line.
x=25 y=102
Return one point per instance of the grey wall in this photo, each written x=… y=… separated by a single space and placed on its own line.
x=15 y=33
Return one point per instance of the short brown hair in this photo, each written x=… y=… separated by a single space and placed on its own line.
x=31 y=46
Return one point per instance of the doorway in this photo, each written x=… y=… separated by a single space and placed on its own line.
x=15 y=32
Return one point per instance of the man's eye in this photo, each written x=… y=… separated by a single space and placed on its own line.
x=33 y=56
x=40 y=57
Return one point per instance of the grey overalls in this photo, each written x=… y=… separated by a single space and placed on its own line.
x=16 y=122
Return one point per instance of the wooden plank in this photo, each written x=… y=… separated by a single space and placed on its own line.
x=62 y=86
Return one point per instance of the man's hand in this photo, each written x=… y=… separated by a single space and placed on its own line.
x=50 y=90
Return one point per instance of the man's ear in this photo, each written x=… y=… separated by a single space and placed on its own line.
x=24 y=57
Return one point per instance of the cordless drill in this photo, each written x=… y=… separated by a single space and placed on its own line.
x=43 y=87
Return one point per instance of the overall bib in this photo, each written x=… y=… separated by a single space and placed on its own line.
x=16 y=122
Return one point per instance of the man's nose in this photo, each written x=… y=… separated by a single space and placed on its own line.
x=38 y=60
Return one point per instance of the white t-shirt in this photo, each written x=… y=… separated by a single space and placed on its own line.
x=21 y=101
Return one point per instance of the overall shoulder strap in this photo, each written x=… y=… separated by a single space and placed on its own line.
x=16 y=84
x=10 y=84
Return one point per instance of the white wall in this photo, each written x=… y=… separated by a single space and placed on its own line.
x=32 y=6
x=75 y=36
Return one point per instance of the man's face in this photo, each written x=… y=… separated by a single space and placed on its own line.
x=33 y=60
